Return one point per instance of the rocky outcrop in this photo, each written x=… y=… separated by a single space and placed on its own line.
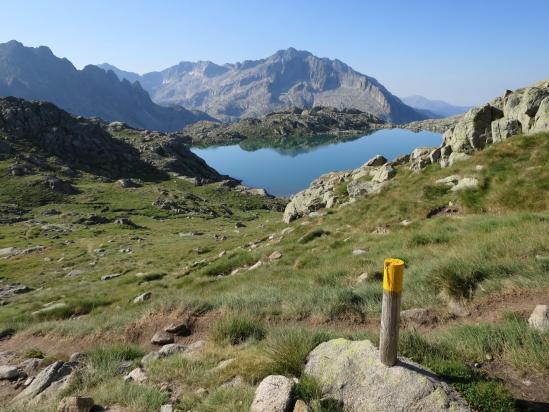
x=523 y=111
x=53 y=375
x=288 y=123
x=114 y=151
x=352 y=373
x=326 y=191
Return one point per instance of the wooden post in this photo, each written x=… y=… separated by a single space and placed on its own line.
x=393 y=274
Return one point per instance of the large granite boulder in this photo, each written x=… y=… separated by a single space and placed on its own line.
x=541 y=120
x=274 y=394
x=504 y=128
x=352 y=373
x=523 y=104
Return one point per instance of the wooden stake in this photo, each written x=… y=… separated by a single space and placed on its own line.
x=393 y=274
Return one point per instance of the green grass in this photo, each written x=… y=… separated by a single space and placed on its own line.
x=238 y=329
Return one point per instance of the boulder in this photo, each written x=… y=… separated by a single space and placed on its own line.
x=179 y=328
x=384 y=173
x=465 y=183
x=541 y=120
x=142 y=298
x=300 y=406
x=56 y=372
x=376 y=161
x=504 y=128
x=274 y=394
x=129 y=183
x=523 y=104
x=9 y=372
x=457 y=157
x=358 y=188
x=111 y=276
x=474 y=131
x=352 y=373
x=162 y=338
x=76 y=404
x=539 y=319
x=137 y=375
x=275 y=255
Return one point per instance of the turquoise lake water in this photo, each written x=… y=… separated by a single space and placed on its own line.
x=293 y=164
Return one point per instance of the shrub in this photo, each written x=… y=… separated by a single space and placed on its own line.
x=238 y=329
x=288 y=349
x=346 y=303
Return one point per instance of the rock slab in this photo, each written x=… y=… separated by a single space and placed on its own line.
x=274 y=394
x=351 y=372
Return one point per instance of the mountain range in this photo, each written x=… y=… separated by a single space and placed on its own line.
x=254 y=88
x=434 y=108
x=37 y=74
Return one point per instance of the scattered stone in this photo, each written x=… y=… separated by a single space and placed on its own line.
x=406 y=222
x=357 y=252
x=233 y=383
x=171 y=349
x=143 y=297
x=9 y=291
x=56 y=372
x=190 y=234
x=274 y=394
x=78 y=357
x=76 y=404
x=457 y=309
x=352 y=373
x=92 y=219
x=256 y=265
x=74 y=272
x=275 y=255
x=9 y=372
x=51 y=212
x=381 y=230
x=124 y=221
x=50 y=308
x=376 y=161
x=539 y=319
x=167 y=408
x=363 y=277
x=111 y=276
x=301 y=406
x=489 y=357
x=418 y=316
x=129 y=183
x=179 y=328
x=162 y=338
x=137 y=375
x=465 y=183
x=223 y=364
x=239 y=225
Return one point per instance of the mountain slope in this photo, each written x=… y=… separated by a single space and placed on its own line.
x=36 y=73
x=256 y=87
x=439 y=108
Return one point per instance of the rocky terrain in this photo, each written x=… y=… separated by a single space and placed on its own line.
x=37 y=74
x=254 y=88
x=182 y=290
x=523 y=111
x=294 y=122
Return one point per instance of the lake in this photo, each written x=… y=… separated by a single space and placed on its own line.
x=290 y=164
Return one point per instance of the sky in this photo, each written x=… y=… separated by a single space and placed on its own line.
x=464 y=52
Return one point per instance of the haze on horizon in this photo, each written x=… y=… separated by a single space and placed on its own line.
x=465 y=54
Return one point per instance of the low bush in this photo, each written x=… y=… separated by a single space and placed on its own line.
x=237 y=329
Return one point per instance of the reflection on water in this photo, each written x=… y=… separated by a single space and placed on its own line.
x=288 y=165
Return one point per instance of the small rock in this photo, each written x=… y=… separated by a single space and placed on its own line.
x=138 y=375
x=233 y=383
x=457 y=309
x=171 y=349
x=539 y=319
x=465 y=183
x=301 y=406
x=363 y=277
x=162 y=338
x=78 y=357
x=406 y=222
x=149 y=357
x=489 y=357
x=166 y=408
x=357 y=252
x=275 y=255
x=477 y=365
x=274 y=394
x=179 y=328
x=223 y=364
x=142 y=298
x=124 y=221
x=76 y=404
x=256 y=265
x=201 y=392
x=8 y=372
x=238 y=225
x=376 y=161
x=418 y=316
x=111 y=276
x=74 y=272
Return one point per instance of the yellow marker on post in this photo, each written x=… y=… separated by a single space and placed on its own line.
x=393 y=276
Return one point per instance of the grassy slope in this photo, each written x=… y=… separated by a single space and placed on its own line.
x=499 y=242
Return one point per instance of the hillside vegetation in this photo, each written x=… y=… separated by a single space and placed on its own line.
x=477 y=259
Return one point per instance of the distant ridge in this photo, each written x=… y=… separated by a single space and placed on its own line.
x=253 y=88
x=434 y=108
x=37 y=74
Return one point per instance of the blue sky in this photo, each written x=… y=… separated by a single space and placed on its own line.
x=465 y=52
